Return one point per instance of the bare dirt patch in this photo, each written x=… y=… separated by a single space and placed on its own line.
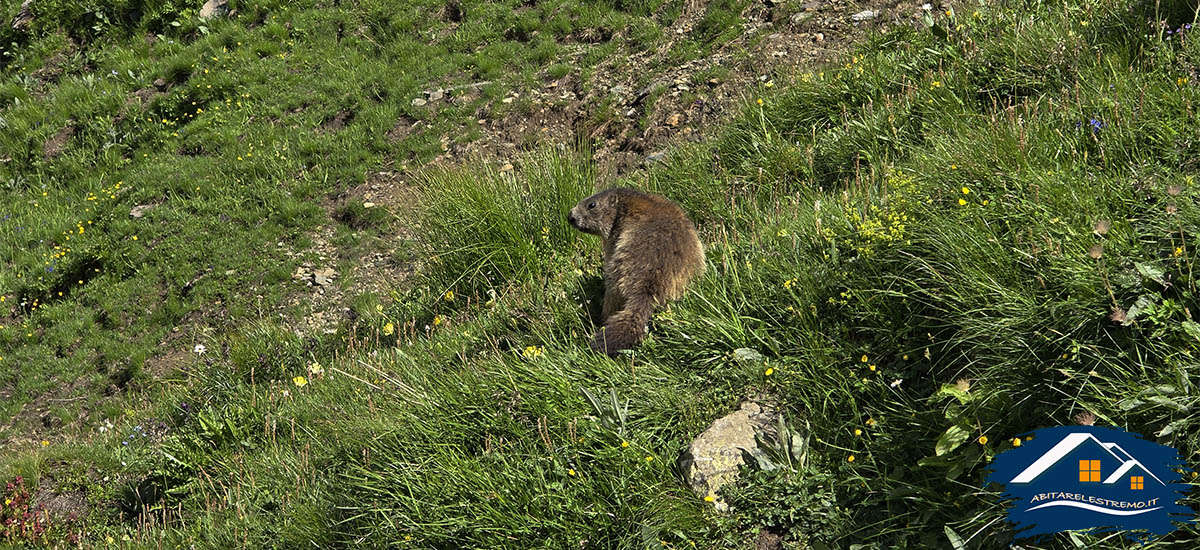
x=57 y=144
x=631 y=122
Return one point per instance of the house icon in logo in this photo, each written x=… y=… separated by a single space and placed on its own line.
x=1091 y=478
x=1093 y=457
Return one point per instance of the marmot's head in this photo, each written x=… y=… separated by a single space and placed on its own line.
x=598 y=213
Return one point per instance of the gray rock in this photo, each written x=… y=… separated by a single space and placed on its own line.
x=418 y=101
x=24 y=16
x=437 y=95
x=141 y=209
x=324 y=276
x=656 y=157
x=865 y=15
x=714 y=458
x=214 y=8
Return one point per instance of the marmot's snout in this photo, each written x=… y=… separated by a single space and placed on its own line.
x=571 y=220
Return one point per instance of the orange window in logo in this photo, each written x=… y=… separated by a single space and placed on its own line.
x=1135 y=482
x=1089 y=471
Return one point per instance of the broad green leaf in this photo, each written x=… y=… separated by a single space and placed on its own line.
x=955 y=540
x=955 y=435
x=1151 y=271
x=1192 y=328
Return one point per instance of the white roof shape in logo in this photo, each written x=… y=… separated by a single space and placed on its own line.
x=1068 y=444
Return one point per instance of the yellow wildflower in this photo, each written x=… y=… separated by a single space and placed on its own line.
x=983 y=440
x=299 y=381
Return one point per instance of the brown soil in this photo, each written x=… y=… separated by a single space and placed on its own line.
x=685 y=104
x=57 y=144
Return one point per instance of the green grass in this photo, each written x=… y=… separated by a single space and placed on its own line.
x=928 y=241
x=256 y=120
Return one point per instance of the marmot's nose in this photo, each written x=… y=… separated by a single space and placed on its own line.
x=571 y=219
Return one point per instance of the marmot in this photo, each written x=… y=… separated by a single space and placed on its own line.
x=651 y=251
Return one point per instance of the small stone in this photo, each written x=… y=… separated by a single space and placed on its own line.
x=673 y=120
x=160 y=83
x=418 y=102
x=324 y=276
x=437 y=95
x=620 y=90
x=141 y=209
x=214 y=8
x=507 y=100
x=715 y=457
x=368 y=204
x=508 y=167
x=24 y=16
x=865 y=15
x=819 y=37
x=656 y=157
x=229 y=272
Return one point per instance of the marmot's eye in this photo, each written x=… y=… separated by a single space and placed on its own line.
x=591 y=205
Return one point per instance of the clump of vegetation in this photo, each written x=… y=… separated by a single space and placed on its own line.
x=952 y=236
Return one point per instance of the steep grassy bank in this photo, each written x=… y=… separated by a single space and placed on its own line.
x=163 y=177
x=952 y=236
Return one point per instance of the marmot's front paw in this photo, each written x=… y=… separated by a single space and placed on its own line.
x=610 y=342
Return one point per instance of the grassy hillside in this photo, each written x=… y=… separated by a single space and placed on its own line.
x=957 y=233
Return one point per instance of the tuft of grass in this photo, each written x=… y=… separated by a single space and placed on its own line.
x=952 y=236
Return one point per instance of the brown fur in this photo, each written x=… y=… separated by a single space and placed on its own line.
x=651 y=251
